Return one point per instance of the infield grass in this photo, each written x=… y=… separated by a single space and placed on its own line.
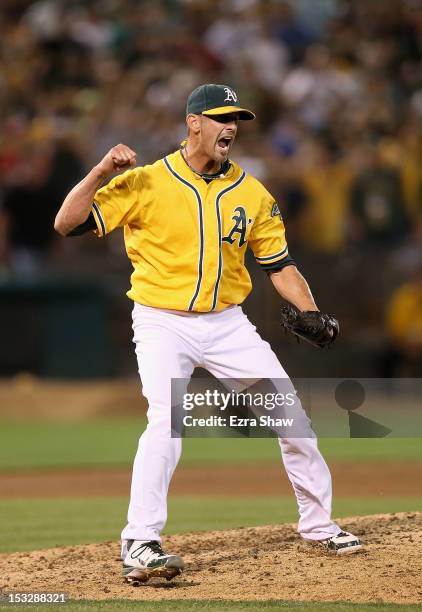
x=105 y=442
x=43 y=523
x=234 y=606
x=185 y=605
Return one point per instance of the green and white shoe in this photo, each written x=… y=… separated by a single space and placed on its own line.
x=145 y=560
x=344 y=543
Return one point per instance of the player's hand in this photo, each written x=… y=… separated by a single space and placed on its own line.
x=315 y=327
x=119 y=158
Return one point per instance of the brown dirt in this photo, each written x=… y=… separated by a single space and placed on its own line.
x=350 y=479
x=258 y=563
x=28 y=397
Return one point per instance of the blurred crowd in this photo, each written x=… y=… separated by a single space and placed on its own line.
x=336 y=86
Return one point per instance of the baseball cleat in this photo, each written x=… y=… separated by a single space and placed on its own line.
x=145 y=560
x=344 y=543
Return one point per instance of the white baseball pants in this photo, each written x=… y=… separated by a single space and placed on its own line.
x=170 y=345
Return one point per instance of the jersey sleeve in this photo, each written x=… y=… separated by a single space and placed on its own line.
x=268 y=237
x=117 y=203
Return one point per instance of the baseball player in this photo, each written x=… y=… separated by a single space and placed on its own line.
x=188 y=220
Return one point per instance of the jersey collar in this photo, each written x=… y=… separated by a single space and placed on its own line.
x=225 y=167
x=179 y=164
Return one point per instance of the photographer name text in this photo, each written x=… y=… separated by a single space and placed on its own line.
x=235 y=421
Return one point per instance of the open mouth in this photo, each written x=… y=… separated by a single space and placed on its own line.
x=224 y=143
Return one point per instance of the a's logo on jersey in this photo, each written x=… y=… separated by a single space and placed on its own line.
x=230 y=95
x=241 y=222
x=275 y=211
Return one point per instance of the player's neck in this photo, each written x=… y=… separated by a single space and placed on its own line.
x=198 y=160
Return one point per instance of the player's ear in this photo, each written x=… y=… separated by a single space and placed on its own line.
x=193 y=123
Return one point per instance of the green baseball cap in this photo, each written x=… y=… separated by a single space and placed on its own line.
x=214 y=99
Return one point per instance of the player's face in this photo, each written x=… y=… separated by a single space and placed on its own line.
x=217 y=135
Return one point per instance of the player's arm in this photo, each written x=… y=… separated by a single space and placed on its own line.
x=269 y=245
x=290 y=284
x=76 y=208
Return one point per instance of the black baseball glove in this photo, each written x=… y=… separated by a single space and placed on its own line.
x=317 y=328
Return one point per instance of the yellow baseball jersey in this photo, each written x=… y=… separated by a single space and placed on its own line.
x=186 y=237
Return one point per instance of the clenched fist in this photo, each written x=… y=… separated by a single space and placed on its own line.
x=121 y=157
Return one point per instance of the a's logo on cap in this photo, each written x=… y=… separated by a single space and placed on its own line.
x=230 y=95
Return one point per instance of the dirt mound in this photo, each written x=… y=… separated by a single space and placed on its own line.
x=258 y=563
